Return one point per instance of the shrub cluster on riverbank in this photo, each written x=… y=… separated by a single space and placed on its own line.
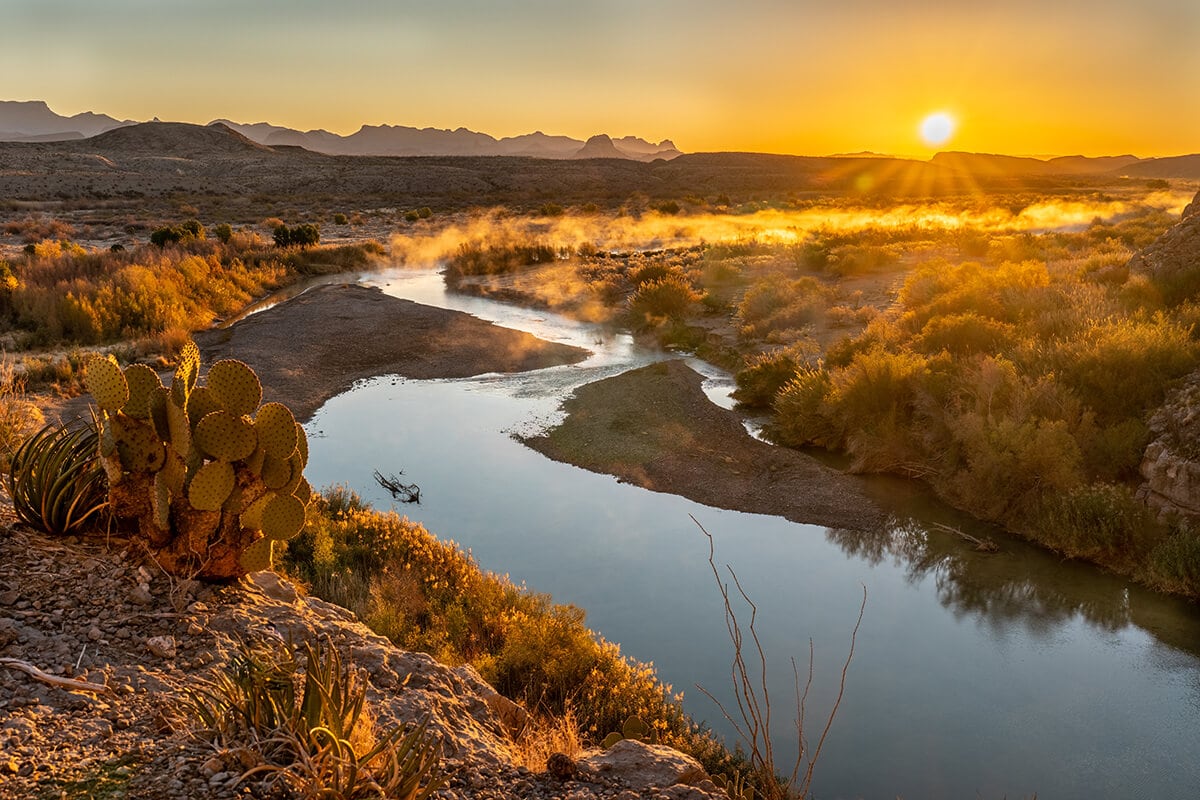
x=428 y=595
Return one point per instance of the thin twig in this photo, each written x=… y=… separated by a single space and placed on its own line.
x=53 y=680
x=753 y=699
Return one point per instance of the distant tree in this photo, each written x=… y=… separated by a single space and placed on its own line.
x=224 y=232
x=340 y=219
x=304 y=235
x=193 y=228
x=424 y=212
x=167 y=235
x=412 y=216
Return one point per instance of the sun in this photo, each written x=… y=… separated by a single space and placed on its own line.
x=937 y=128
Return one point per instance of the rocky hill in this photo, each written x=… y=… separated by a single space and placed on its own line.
x=98 y=651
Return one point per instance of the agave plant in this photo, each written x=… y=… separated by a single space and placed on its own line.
x=316 y=742
x=56 y=481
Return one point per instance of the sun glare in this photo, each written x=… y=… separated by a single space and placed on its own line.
x=936 y=129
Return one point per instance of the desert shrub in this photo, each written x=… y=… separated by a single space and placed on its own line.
x=304 y=235
x=774 y=305
x=1174 y=564
x=224 y=233
x=801 y=418
x=1097 y=521
x=964 y=334
x=19 y=417
x=340 y=219
x=55 y=479
x=763 y=377
x=176 y=234
x=1121 y=367
x=650 y=271
x=1008 y=465
x=669 y=298
x=411 y=216
x=477 y=258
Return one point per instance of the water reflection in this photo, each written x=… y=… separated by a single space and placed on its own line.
x=1020 y=585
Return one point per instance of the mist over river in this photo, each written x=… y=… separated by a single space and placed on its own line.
x=975 y=675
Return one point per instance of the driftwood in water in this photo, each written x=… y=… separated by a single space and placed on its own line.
x=404 y=492
x=982 y=545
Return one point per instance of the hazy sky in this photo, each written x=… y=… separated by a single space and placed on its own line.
x=811 y=77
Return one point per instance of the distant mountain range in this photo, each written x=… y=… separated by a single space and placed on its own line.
x=32 y=121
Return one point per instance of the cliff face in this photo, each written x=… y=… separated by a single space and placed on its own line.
x=1171 y=465
x=93 y=613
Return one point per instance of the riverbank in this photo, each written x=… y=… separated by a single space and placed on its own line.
x=317 y=345
x=655 y=428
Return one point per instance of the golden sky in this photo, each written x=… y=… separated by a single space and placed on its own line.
x=1021 y=76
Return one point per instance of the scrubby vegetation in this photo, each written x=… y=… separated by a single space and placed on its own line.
x=1012 y=369
x=428 y=595
x=64 y=294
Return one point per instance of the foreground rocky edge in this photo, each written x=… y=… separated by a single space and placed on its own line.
x=93 y=612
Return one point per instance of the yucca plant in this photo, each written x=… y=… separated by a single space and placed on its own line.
x=318 y=742
x=56 y=481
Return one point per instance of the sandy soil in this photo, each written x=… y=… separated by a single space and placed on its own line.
x=654 y=427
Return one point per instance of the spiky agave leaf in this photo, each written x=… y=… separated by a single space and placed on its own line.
x=57 y=483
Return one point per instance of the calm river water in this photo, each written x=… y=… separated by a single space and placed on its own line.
x=975 y=676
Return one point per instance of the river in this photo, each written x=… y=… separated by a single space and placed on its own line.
x=974 y=675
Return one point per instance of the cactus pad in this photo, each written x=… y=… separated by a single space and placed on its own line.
x=251 y=518
x=282 y=517
x=108 y=441
x=276 y=429
x=235 y=386
x=257 y=556
x=161 y=501
x=104 y=379
x=173 y=471
x=143 y=383
x=178 y=431
x=302 y=444
x=276 y=472
x=158 y=402
x=224 y=436
x=201 y=402
x=211 y=485
x=186 y=373
x=138 y=445
x=303 y=491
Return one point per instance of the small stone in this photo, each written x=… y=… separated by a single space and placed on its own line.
x=211 y=767
x=141 y=595
x=218 y=778
x=11 y=766
x=9 y=597
x=195 y=629
x=161 y=646
x=561 y=766
x=95 y=634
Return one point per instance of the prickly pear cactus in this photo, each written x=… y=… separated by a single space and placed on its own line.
x=211 y=478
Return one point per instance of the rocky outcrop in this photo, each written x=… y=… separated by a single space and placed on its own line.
x=1174 y=258
x=93 y=613
x=1171 y=465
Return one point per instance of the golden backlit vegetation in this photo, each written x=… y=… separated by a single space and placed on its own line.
x=1004 y=354
x=151 y=297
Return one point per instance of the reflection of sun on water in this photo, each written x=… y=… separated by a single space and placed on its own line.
x=936 y=129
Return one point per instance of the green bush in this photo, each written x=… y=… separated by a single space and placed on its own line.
x=761 y=380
